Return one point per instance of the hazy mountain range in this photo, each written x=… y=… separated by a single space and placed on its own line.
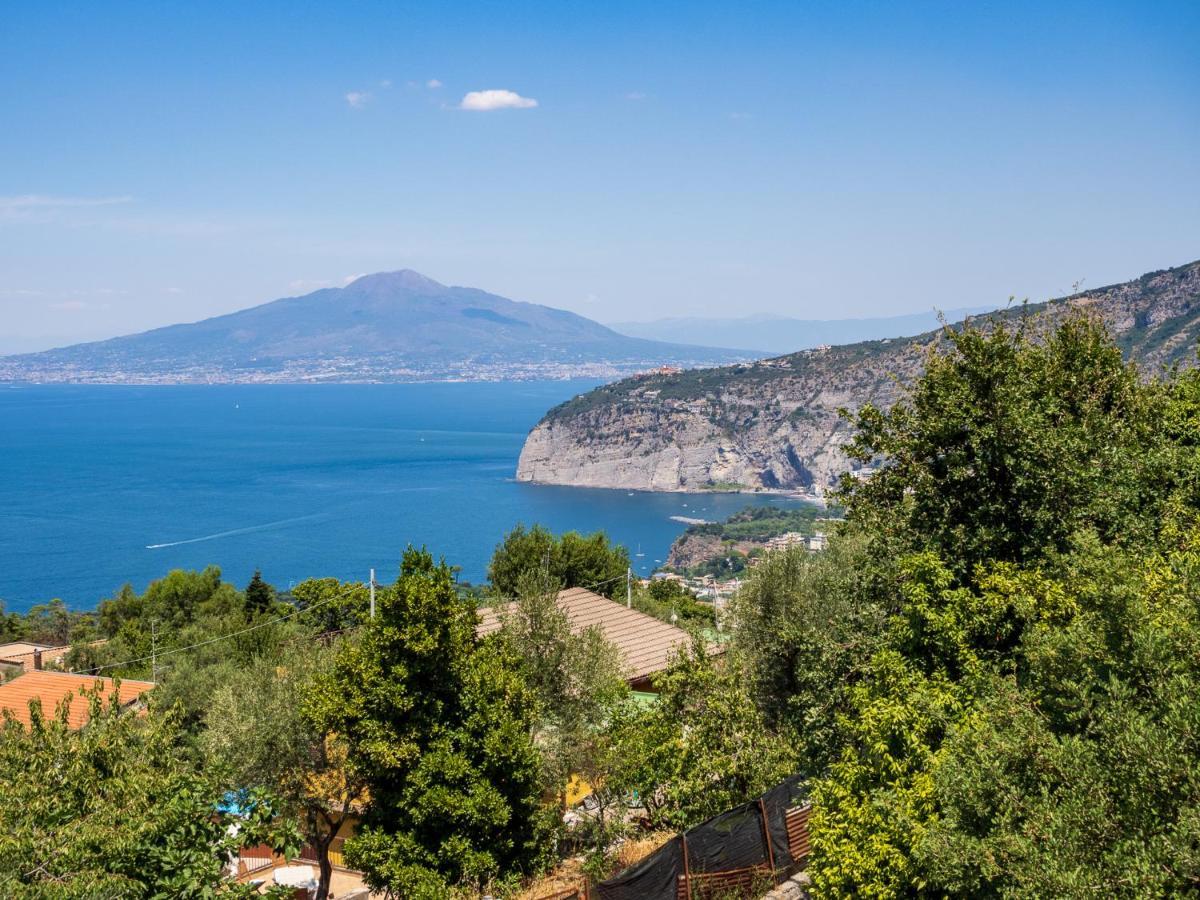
x=781 y=334
x=391 y=326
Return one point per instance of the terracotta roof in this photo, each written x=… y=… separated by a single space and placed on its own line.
x=53 y=687
x=646 y=643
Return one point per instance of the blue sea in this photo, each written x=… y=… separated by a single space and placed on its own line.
x=103 y=485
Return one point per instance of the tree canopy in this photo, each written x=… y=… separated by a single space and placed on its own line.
x=572 y=560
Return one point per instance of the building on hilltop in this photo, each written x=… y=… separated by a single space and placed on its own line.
x=644 y=642
x=54 y=688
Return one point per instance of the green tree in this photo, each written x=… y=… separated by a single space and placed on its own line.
x=804 y=629
x=672 y=602
x=330 y=605
x=268 y=729
x=577 y=680
x=573 y=560
x=116 y=809
x=49 y=623
x=260 y=596
x=1014 y=438
x=441 y=726
x=13 y=626
x=702 y=748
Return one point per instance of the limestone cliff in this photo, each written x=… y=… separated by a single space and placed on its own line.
x=775 y=423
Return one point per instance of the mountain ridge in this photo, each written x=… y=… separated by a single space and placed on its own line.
x=397 y=325
x=774 y=423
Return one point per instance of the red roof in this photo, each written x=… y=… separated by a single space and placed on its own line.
x=52 y=688
x=645 y=643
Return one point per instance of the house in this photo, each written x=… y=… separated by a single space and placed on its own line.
x=644 y=642
x=25 y=656
x=53 y=688
x=784 y=541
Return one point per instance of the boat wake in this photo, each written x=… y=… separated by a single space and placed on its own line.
x=236 y=531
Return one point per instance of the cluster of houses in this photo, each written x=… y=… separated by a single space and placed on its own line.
x=814 y=542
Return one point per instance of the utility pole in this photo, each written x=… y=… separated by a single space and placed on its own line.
x=154 y=650
x=629 y=588
x=372 y=593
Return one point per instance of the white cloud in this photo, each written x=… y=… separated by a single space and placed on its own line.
x=483 y=101
x=174 y=290
x=635 y=95
x=358 y=99
x=350 y=279
x=433 y=84
x=386 y=83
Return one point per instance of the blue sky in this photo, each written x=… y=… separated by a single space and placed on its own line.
x=164 y=162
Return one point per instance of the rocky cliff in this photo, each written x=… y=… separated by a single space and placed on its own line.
x=775 y=423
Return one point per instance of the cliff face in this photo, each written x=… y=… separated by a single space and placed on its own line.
x=775 y=423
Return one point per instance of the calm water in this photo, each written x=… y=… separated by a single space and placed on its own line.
x=103 y=485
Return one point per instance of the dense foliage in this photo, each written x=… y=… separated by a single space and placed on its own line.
x=700 y=749
x=577 y=680
x=993 y=670
x=118 y=809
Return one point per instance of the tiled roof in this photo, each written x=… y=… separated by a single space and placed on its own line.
x=645 y=643
x=54 y=687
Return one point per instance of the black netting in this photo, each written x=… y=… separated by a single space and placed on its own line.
x=736 y=840
x=654 y=877
x=732 y=840
x=778 y=801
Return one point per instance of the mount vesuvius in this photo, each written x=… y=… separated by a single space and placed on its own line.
x=392 y=326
